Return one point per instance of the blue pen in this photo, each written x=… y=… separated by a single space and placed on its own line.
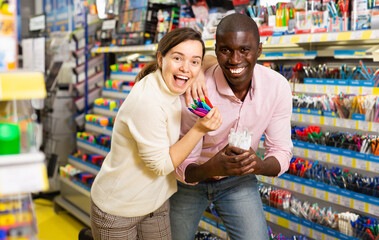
x=206 y=106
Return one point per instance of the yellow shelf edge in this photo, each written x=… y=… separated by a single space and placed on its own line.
x=21 y=85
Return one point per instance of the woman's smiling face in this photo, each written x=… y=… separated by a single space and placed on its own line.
x=181 y=65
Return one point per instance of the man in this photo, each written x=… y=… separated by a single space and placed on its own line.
x=248 y=96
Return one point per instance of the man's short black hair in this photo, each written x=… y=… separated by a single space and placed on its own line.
x=237 y=22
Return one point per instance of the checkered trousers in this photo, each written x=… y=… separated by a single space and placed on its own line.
x=154 y=226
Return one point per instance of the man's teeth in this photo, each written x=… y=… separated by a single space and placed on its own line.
x=237 y=70
x=182 y=77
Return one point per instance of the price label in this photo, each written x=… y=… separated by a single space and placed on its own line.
x=277 y=182
x=354 y=90
x=308 y=191
x=374 y=127
x=328 y=237
x=334 y=158
x=328 y=121
x=330 y=89
x=275 y=40
x=374 y=34
x=347 y=161
x=373 y=209
x=359 y=205
x=374 y=167
x=304 y=230
x=286 y=39
x=273 y=218
x=349 y=123
x=356 y=35
x=294 y=226
x=363 y=125
x=287 y=184
x=366 y=90
x=319 y=88
x=301 y=152
x=333 y=197
x=322 y=156
x=361 y=164
x=316 y=119
x=304 y=38
x=340 y=122
x=316 y=38
x=309 y=88
x=312 y=154
x=342 y=89
x=332 y=36
x=320 y=194
x=295 y=117
x=345 y=201
x=316 y=234
x=306 y=118
x=297 y=187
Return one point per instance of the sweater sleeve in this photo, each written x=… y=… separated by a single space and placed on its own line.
x=148 y=127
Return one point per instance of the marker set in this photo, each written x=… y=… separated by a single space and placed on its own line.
x=347 y=106
x=339 y=177
x=103 y=140
x=201 y=107
x=363 y=143
x=347 y=223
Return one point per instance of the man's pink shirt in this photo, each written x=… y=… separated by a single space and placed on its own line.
x=266 y=110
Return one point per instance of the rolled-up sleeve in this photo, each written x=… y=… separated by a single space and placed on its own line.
x=150 y=135
x=278 y=141
x=187 y=121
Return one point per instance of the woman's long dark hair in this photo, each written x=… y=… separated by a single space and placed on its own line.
x=170 y=40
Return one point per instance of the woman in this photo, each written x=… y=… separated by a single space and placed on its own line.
x=130 y=194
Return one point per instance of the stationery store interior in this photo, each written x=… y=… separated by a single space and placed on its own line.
x=68 y=71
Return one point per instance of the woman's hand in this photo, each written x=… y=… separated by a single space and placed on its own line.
x=210 y=122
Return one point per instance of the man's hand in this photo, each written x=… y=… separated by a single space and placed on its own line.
x=197 y=89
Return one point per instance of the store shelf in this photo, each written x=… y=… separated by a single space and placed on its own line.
x=93 y=62
x=82 y=165
x=80 y=52
x=77 y=186
x=211 y=224
x=366 y=126
x=92 y=127
x=322 y=191
x=126 y=76
x=92 y=95
x=21 y=85
x=330 y=37
x=119 y=49
x=367 y=162
x=113 y=93
x=78 y=34
x=336 y=89
x=302 y=226
x=93 y=148
x=338 y=156
x=105 y=111
x=299 y=55
x=27 y=172
x=92 y=80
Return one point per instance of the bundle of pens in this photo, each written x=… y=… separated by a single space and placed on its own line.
x=201 y=107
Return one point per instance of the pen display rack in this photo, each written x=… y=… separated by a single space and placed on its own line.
x=139 y=21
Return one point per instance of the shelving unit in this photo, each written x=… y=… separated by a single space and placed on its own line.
x=24 y=172
x=308 y=47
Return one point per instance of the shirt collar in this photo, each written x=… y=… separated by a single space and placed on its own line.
x=223 y=86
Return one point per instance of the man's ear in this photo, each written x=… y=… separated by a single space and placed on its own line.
x=159 y=59
x=259 y=50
